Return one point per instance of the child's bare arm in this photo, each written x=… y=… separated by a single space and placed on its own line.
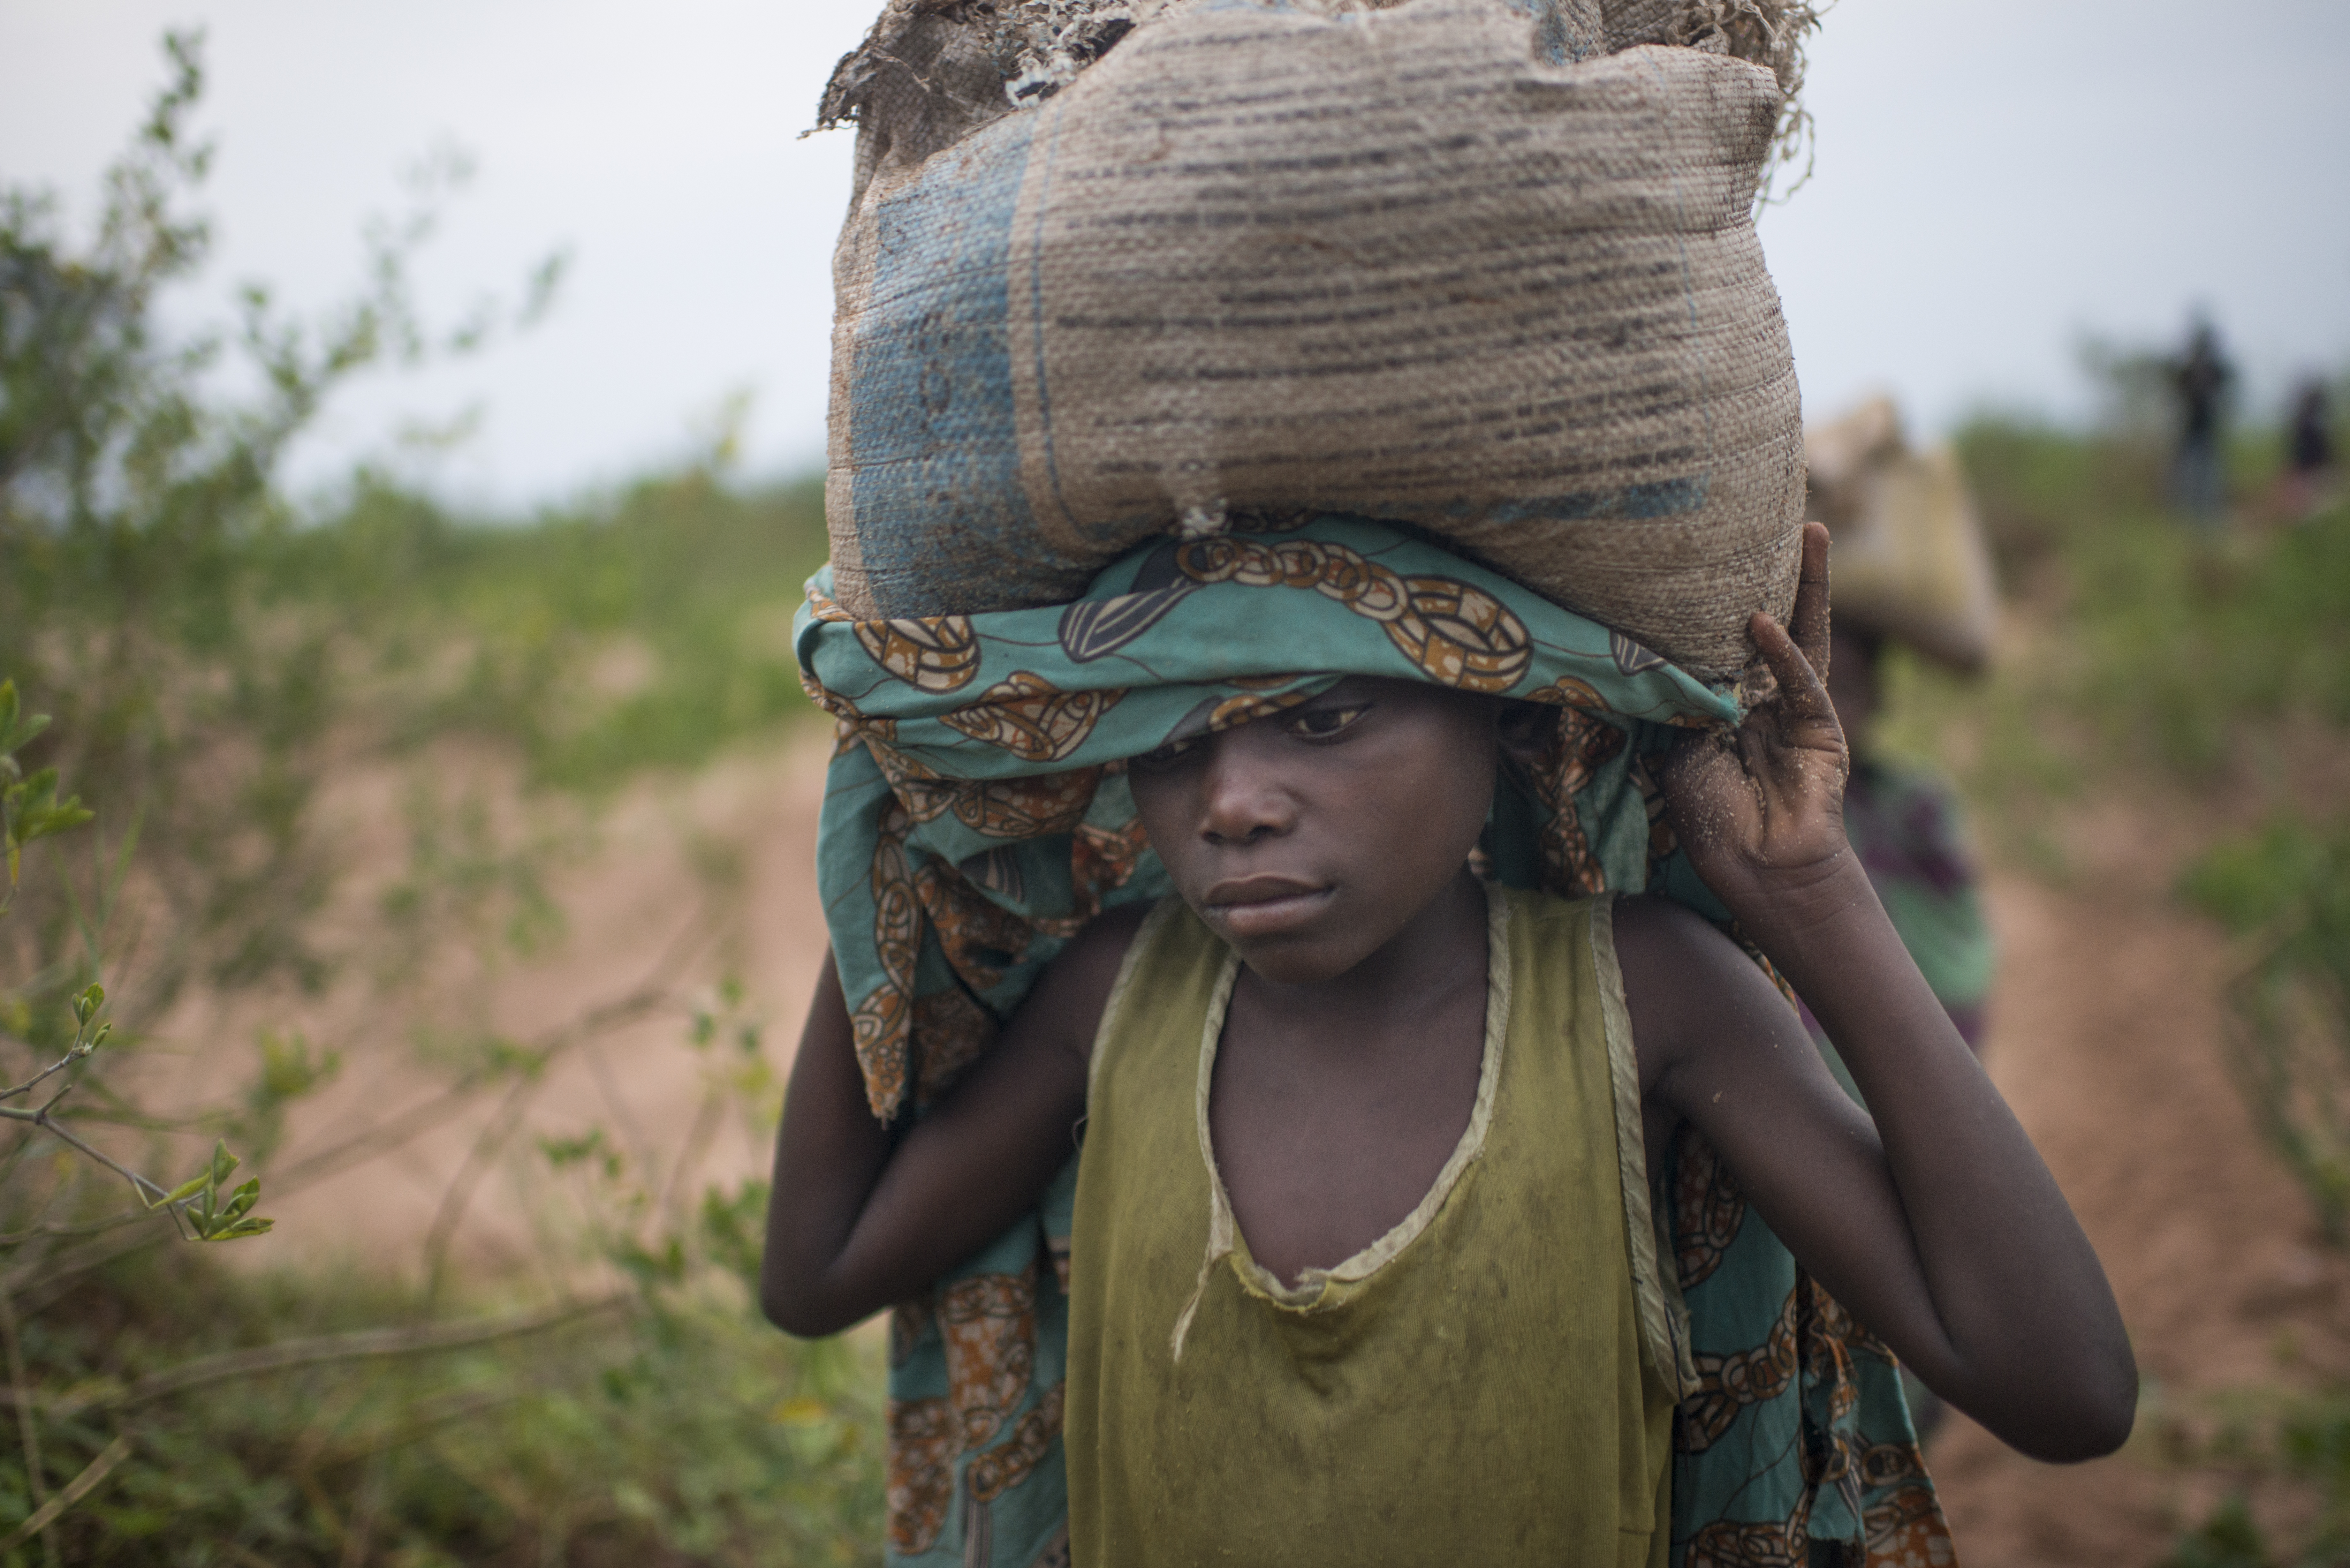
x=1936 y=1222
x=865 y=1215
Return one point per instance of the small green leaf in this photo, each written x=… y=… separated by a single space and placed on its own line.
x=224 y=1164
x=241 y=1201
x=185 y=1190
x=88 y=1002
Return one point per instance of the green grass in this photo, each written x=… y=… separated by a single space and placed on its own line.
x=646 y=630
x=685 y=1432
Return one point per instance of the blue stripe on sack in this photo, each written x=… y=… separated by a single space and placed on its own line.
x=1665 y=498
x=938 y=497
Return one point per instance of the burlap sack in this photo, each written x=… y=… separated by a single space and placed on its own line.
x=1447 y=263
x=1911 y=559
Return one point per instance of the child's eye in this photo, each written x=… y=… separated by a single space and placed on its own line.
x=1322 y=723
x=1159 y=756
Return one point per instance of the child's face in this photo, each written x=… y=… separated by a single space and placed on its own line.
x=1309 y=839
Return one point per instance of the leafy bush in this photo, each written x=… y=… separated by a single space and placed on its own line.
x=215 y=658
x=2284 y=893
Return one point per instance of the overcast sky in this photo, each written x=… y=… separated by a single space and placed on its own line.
x=1995 y=180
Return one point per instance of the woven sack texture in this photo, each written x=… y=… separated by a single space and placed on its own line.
x=1448 y=263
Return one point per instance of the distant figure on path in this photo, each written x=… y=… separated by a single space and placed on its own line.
x=2201 y=379
x=2309 y=453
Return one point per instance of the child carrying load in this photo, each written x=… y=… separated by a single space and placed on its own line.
x=1302 y=1044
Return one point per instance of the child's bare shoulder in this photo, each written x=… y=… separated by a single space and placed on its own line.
x=1681 y=976
x=1664 y=941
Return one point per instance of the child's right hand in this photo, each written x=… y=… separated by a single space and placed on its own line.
x=1760 y=809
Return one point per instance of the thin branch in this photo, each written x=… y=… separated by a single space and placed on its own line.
x=60 y=1065
x=459 y=1194
x=80 y=1487
x=616 y=1102
x=364 y=1346
x=68 y=1232
x=507 y=1118
x=41 y=1118
x=418 y=1427
x=689 y=1156
x=656 y=989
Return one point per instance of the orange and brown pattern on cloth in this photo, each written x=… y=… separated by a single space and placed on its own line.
x=1663 y=843
x=936 y=653
x=1723 y=1544
x=1904 y=1528
x=1813 y=1331
x=1728 y=1384
x=950 y=1032
x=1463 y=637
x=981 y=938
x=978 y=935
x=1831 y=1338
x=1009 y=1462
x=1577 y=745
x=924 y=1439
x=1708 y=1207
x=1033 y=719
x=1907 y=1531
x=1013 y=809
x=1456 y=634
x=1566 y=691
x=880 y=1019
x=1104 y=859
x=989 y=1325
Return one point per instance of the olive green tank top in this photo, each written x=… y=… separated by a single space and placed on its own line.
x=1490 y=1382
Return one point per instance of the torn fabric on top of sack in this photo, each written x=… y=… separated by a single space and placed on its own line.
x=930 y=72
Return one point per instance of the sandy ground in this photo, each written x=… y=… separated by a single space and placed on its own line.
x=2108 y=1041
x=2106 y=1037
x=717 y=871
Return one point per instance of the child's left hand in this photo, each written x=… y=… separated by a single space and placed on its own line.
x=1759 y=810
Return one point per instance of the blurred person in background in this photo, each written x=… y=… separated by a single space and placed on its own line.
x=2201 y=379
x=2309 y=453
x=1909 y=566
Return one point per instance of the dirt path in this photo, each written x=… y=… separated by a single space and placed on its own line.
x=2106 y=1039
x=748 y=910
